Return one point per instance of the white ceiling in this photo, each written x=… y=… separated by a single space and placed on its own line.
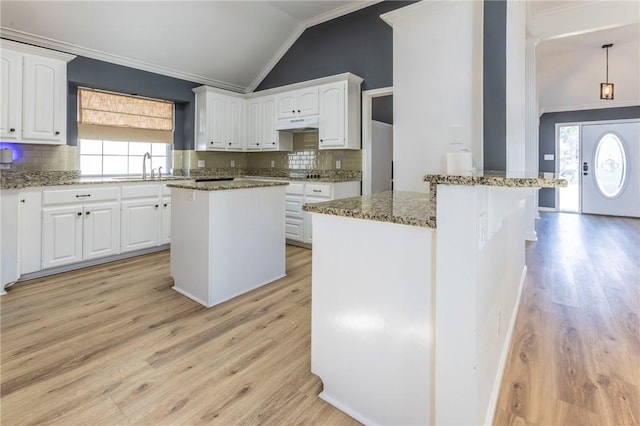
x=228 y=44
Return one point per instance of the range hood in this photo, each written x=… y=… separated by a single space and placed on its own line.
x=298 y=124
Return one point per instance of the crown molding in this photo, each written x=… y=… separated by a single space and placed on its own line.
x=583 y=107
x=336 y=13
x=276 y=58
x=393 y=15
x=48 y=43
x=341 y=11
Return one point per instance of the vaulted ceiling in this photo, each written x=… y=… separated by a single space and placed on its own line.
x=228 y=44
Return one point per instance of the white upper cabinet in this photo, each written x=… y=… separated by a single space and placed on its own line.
x=261 y=121
x=339 y=115
x=10 y=95
x=226 y=121
x=254 y=124
x=298 y=103
x=33 y=90
x=271 y=138
x=219 y=121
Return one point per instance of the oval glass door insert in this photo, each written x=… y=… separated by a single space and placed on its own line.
x=610 y=165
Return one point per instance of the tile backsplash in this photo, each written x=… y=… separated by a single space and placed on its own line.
x=33 y=158
x=305 y=156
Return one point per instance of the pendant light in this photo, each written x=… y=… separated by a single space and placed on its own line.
x=606 y=89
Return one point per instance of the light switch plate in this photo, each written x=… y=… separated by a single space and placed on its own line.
x=200 y=163
x=273 y=163
x=549 y=157
x=233 y=163
x=338 y=164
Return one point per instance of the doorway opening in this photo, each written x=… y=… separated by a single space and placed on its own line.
x=568 y=153
x=377 y=140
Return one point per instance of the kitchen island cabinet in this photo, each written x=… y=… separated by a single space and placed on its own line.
x=227 y=237
x=414 y=297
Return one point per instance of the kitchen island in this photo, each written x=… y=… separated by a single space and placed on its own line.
x=227 y=237
x=414 y=297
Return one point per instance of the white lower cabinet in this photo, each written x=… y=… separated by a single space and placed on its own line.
x=139 y=224
x=298 y=225
x=60 y=227
x=165 y=221
x=146 y=217
x=79 y=224
x=30 y=230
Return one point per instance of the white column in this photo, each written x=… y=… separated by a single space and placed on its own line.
x=532 y=121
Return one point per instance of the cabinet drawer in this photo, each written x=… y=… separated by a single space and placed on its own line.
x=80 y=195
x=294 y=229
x=140 y=191
x=318 y=190
x=295 y=188
x=293 y=205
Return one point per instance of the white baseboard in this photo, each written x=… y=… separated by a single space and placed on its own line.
x=92 y=262
x=547 y=209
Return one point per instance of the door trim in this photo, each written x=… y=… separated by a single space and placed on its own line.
x=367 y=110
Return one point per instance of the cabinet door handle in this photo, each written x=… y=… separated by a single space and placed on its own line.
x=298 y=111
x=157 y=206
x=79 y=213
x=165 y=204
x=57 y=133
x=317 y=190
x=87 y=213
x=23 y=201
x=12 y=130
x=229 y=143
x=321 y=140
x=83 y=195
x=293 y=111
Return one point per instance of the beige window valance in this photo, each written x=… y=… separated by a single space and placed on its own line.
x=111 y=116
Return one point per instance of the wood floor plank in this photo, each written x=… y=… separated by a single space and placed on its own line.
x=575 y=356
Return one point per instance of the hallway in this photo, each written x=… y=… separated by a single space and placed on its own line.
x=575 y=353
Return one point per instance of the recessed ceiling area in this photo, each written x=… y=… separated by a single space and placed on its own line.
x=590 y=40
x=228 y=44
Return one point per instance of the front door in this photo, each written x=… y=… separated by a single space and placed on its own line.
x=610 y=167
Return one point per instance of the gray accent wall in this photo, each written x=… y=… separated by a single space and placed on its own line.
x=495 y=85
x=382 y=109
x=547 y=137
x=360 y=43
x=97 y=74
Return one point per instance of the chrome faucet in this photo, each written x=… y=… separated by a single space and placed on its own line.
x=160 y=173
x=144 y=164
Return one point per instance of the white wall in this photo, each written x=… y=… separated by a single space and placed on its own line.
x=437 y=68
x=516 y=51
x=381 y=156
x=571 y=80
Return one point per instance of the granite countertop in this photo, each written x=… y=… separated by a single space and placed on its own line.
x=499 y=178
x=405 y=208
x=224 y=185
x=72 y=178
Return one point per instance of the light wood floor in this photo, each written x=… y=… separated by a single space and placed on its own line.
x=114 y=345
x=575 y=353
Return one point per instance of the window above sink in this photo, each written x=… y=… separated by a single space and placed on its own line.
x=121 y=158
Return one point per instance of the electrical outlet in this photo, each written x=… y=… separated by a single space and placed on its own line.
x=549 y=157
x=233 y=163
x=273 y=163
x=200 y=163
x=338 y=164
